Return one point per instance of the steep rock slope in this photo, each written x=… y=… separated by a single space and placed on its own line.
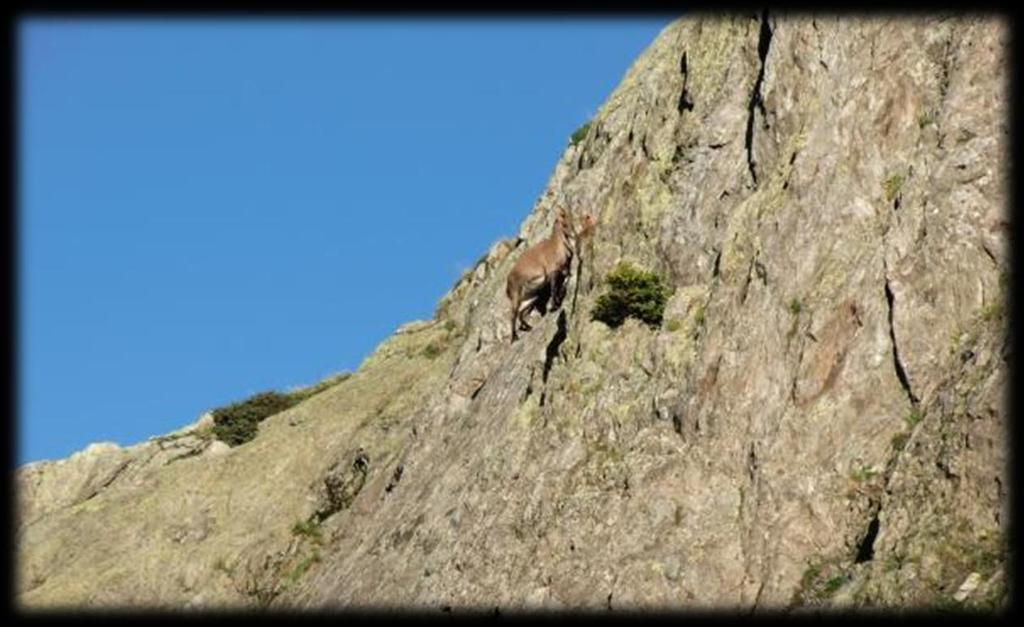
x=820 y=421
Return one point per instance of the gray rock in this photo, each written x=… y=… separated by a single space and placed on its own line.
x=217 y=448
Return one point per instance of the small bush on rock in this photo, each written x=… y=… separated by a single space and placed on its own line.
x=238 y=422
x=632 y=293
x=579 y=134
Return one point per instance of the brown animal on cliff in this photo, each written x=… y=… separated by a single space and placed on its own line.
x=543 y=266
x=558 y=285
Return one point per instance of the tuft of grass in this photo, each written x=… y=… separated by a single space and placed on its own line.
x=221 y=565
x=810 y=575
x=863 y=473
x=450 y=326
x=925 y=119
x=578 y=135
x=899 y=441
x=913 y=418
x=820 y=581
x=992 y=311
x=430 y=351
x=673 y=324
x=308 y=529
x=301 y=568
x=892 y=186
x=795 y=306
x=699 y=316
x=302 y=394
x=632 y=293
x=834 y=584
x=894 y=562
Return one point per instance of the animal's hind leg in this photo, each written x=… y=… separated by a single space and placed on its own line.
x=524 y=310
x=523 y=324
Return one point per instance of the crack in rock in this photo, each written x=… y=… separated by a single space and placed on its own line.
x=756 y=99
x=901 y=372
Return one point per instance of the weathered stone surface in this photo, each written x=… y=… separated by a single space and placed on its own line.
x=820 y=420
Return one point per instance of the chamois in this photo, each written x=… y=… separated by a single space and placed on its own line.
x=558 y=285
x=544 y=265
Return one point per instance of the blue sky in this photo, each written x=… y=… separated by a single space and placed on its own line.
x=213 y=208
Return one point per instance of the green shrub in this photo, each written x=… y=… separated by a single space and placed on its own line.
x=795 y=306
x=632 y=293
x=674 y=325
x=925 y=119
x=238 y=422
x=579 y=134
x=913 y=418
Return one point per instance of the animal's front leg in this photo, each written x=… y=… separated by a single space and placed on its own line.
x=558 y=289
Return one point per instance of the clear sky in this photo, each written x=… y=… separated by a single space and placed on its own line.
x=213 y=208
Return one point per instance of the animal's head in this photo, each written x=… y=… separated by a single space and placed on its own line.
x=587 y=226
x=563 y=220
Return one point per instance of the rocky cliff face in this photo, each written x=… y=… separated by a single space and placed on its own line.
x=820 y=420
